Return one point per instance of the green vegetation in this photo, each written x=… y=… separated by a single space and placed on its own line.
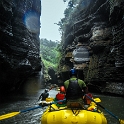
x=50 y=53
x=74 y=7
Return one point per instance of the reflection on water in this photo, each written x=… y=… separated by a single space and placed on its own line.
x=114 y=105
x=32 y=93
x=19 y=103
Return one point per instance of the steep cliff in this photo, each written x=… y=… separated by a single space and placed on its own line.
x=96 y=27
x=19 y=42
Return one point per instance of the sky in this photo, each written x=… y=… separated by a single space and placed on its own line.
x=51 y=12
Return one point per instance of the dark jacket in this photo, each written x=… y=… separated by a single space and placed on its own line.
x=74 y=91
x=75 y=88
x=44 y=96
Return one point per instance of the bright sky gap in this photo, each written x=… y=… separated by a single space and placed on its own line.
x=52 y=11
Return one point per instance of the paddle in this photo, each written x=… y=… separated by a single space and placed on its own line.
x=9 y=115
x=51 y=88
x=5 y=116
x=121 y=121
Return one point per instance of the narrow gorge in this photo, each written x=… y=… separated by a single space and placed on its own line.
x=92 y=42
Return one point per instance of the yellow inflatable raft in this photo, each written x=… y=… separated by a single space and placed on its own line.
x=64 y=115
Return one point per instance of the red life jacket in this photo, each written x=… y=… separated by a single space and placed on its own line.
x=60 y=96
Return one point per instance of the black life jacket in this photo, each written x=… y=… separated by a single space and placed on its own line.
x=74 y=91
x=44 y=96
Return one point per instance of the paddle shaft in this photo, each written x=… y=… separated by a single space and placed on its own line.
x=104 y=108
x=29 y=109
x=9 y=115
x=51 y=88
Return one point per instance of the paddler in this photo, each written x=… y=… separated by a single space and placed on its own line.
x=44 y=95
x=60 y=96
x=74 y=88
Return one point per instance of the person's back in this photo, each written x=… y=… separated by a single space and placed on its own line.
x=61 y=96
x=74 y=87
x=44 y=95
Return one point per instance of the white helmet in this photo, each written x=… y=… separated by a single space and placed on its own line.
x=46 y=90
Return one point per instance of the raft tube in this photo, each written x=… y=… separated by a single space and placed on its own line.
x=64 y=115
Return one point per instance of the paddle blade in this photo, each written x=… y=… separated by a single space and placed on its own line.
x=9 y=115
x=121 y=121
x=97 y=100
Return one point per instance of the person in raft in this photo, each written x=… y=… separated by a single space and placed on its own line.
x=44 y=95
x=75 y=90
x=60 y=97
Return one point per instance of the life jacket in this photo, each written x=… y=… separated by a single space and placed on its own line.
x=44 y=96
x=74 y=91
x=88 y=101
x=60 y=96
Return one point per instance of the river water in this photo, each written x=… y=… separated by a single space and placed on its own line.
x=34 y=88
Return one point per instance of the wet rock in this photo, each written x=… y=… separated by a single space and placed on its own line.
x=19 y=42
x=100 y=26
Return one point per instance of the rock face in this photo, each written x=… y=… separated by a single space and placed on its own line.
x=52 y=74
x=99 y=27
x=19 y=42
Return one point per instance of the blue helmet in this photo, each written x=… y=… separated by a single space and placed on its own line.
x=73 y=72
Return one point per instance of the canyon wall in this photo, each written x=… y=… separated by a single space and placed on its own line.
x=97 y=28
x=19 y=42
